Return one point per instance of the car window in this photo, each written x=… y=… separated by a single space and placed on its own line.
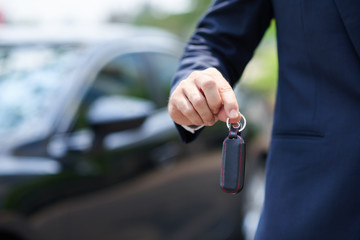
x=163 y=67
x=122 y=76
x=30 y=77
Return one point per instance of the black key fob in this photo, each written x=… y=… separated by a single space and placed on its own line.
x=233 y=162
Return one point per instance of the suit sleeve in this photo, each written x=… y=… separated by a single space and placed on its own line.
x=225 y=39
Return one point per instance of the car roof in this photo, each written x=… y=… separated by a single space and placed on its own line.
x=77 y=34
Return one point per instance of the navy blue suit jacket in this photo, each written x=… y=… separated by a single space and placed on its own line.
x=313 y=168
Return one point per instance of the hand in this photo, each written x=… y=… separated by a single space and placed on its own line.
x=202 y=99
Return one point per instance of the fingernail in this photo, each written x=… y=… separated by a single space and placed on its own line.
x=234 y=114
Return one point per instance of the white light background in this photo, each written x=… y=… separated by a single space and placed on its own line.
x=79 y=11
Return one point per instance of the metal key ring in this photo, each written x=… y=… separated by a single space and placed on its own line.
x=242 y=126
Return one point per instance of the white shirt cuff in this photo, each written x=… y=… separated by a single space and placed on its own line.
x=191 y=128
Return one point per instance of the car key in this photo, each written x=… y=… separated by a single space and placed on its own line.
x=233 y=159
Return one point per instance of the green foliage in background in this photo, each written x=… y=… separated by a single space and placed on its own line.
x=261 y=72
x=180 y=24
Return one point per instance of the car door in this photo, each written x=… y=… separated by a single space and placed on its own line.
x=124 y=80
x=130 y=184
x=89 y=167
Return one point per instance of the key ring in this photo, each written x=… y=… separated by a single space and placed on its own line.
x=242 y=126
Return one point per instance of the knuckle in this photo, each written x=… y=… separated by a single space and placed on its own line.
x=170 y=108
x=212 y=70
x=215 y=104
x=215 y=109
x=197 y=102
x=177 y=105
x=225 y=89
x=174 y=112
x=187 y=111
x=181 y=85
x=195 y=74
x=208 y=83
x=174 y=103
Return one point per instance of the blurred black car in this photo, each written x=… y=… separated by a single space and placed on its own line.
x=87 y=149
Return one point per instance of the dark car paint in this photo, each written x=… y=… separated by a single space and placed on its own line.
x=145 y=189
x=150 y=186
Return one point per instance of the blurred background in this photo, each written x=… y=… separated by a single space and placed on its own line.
x=87 y=149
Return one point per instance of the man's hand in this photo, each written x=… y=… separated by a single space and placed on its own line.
x=202 y=99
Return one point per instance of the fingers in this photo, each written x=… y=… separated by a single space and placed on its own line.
x=178 y=117
x=181 y=110
x=199 y=103
x=188 y=106
x=212 y=95
x=227 y=97
x=202 y=99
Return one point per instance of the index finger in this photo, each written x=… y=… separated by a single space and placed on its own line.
x=231 y=106
x=224 y=95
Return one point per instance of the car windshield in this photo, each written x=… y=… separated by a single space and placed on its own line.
x=30 y=78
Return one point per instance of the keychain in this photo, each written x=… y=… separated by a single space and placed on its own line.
x=233 y=158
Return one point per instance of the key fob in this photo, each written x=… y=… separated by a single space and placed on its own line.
x=233 y=162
